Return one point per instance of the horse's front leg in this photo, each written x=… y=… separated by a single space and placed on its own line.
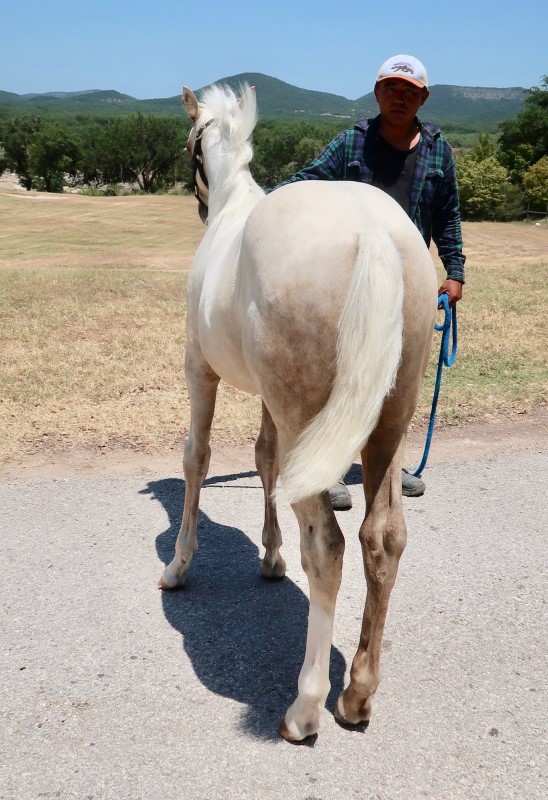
x=202 y=385
x=322 y=548
x=383 y=536
x=266 y=460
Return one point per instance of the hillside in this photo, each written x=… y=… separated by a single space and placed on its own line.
x=476 y=108
x=96 y=101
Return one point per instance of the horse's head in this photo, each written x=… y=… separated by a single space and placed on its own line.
x=234 y=120
x=194 y=147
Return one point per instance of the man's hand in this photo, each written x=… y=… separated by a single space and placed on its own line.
x=453 y=289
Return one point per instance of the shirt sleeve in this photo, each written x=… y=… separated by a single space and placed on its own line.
x=446 y=224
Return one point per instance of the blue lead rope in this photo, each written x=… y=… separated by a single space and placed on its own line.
x=445 y=360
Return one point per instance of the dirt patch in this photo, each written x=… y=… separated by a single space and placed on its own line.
x=503 y=242
x=522 y=433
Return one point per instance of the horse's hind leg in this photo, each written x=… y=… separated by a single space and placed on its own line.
x=202 y=385
x=266 y=460
x=322 y=548
x=383 y=537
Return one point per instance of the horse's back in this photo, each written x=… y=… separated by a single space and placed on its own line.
x=311 y=209
x=309 y=231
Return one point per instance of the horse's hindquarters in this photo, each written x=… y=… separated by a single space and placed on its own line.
x=303 y=247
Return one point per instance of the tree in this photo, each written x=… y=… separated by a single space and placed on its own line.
x=53 y=155
x=40 y=154
x=524 y=138
x=308 y=148
x=144 y=150
x=483 y=186
x=282 y=148
x=486 y=148
x=535 y=184
x=17 y=136
x=95 y=149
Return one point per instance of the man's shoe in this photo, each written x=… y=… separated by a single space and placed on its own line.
x=411 y=486
x=340 y=496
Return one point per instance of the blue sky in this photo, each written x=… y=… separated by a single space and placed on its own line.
x=149 y=49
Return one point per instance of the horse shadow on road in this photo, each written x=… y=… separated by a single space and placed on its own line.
x=245 y=636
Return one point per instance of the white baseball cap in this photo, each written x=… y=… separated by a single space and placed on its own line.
x=408 y=68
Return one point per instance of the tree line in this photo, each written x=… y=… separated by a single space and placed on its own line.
x=500 y=178
x=144 y=151
x=147 y=152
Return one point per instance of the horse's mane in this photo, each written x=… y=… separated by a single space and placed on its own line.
x=236 y=119
x=238 y=116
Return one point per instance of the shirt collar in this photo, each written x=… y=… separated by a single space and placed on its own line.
x=429 y=130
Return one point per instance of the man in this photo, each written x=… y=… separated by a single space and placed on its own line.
x=412 y=162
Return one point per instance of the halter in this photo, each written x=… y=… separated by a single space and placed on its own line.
x=198 y=169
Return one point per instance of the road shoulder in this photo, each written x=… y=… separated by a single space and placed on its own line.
x=521 y=433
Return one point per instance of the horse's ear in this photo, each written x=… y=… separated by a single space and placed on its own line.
x=190 y=103
x=249 y=91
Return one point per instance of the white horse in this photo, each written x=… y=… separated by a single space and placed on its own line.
x=321 y=298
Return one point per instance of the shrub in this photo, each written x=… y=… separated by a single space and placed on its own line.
x=483 y=187
x=535 y=184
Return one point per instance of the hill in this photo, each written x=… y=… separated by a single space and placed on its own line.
x=474 y=108
x=96 y=101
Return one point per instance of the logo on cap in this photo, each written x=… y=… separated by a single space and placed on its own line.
x=403 y=68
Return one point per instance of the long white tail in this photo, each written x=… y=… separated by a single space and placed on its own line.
x=368 y=356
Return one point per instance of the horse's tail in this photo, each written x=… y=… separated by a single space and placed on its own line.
x=368 y=356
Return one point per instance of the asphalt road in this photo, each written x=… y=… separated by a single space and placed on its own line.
x=111 y=689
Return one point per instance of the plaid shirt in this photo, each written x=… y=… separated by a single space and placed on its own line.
x=433 y=201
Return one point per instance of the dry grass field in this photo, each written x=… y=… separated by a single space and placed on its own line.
x=92 y=326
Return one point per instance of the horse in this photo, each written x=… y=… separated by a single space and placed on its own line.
x=320 y=297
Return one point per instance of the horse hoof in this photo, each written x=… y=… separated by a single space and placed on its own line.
x=357 y=720
x=359 y=727
x=273 y=572
x=309 y=740
x=169 y=584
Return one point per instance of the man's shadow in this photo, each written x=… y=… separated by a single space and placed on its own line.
x=245 y=636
